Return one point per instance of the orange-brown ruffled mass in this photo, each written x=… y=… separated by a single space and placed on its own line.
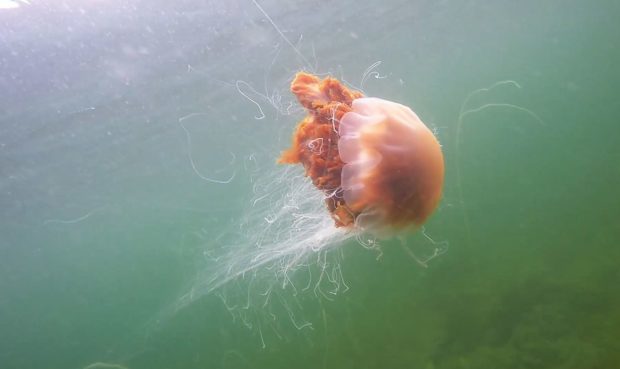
x=315 y=141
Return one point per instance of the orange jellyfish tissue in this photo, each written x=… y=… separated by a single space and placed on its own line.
x=379 y=166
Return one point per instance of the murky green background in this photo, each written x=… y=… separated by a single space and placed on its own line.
x=104 y=224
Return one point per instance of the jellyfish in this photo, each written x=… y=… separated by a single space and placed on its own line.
x=375 y=170
x=379 y=166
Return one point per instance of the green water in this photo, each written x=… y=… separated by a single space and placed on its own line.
x=104 y=225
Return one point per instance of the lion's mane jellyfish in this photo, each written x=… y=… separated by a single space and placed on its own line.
x=380 y=168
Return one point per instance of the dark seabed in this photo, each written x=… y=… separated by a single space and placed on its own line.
x=116 y=117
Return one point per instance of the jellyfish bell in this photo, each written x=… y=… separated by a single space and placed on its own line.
x=379 y=165
x=393 y=172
